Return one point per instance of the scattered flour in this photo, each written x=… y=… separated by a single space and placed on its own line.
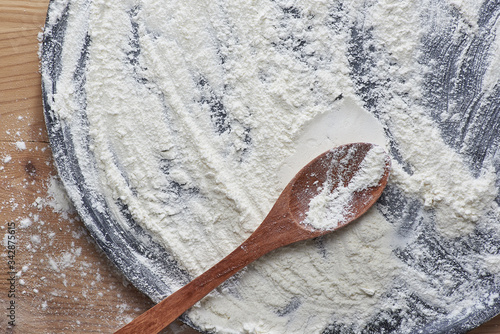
x=58 y=198
x=25 y=222
x=21 y=145
x=35 y=239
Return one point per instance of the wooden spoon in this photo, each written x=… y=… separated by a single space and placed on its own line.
x=282 y=226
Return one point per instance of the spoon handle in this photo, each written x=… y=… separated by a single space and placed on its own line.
x=161 y=315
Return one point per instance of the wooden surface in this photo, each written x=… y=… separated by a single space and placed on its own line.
x=61 y=281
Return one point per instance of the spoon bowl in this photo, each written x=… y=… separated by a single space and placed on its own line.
x=286 y=223
x=336 y=168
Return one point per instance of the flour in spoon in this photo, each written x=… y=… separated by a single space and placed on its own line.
x=196 y=110
x=333 y=204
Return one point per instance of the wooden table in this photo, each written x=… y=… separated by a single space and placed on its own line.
x=60 y=282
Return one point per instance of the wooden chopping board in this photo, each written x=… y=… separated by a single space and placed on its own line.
x=57 y=280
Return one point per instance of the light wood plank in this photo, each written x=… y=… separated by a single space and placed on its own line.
x=20 y=92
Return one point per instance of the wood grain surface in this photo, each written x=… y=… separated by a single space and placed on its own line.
x=59 y=281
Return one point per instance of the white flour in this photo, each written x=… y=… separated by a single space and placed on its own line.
x=197 y=110
x=330 y=208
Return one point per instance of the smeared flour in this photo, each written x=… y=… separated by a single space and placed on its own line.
x=196 y=110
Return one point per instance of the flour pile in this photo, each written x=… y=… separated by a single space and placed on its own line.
x=184 y=115
x=332 y=206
